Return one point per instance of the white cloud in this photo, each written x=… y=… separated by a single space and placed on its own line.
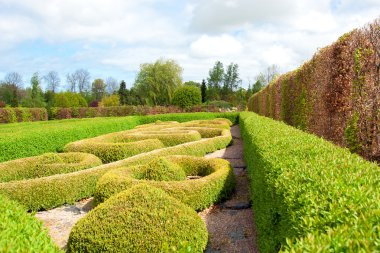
x=215 y=46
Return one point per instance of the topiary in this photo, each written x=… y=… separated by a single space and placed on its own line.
x=161 y=169
x=187 y=96
x=141 y=219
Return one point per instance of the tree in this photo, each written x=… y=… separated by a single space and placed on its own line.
x=98 y=89
x=268 y=75
x=69 y=99
x=13 y=78
x=187 y=96
x=111 y=85
x=11 y=89
x=192 y=83
x=123 y=93
x=203 y=90
x=231 y=77
x=53 y=81
x=156 y=82
x=34 y=97
x=79 y=80
x=216 y=76
x=113 y=100
x=257 y=86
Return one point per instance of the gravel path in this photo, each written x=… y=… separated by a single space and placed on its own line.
x=230 y=224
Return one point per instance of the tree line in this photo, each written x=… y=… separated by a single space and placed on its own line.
x=155 y=84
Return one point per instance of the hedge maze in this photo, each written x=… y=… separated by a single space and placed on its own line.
x=148 y=183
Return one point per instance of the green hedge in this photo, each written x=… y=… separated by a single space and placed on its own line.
x=20 y=114
x=31 y=139
x=20 y=231
x=141 y=219
x=309 y=195
x=46 y=165
x=48 y=192
x=216 y=183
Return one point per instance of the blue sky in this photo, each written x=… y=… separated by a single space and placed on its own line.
x=112 y=38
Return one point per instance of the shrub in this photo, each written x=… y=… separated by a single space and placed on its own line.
x=113 y=100
x=20 y=231
x=161 y=169
x=69 y=99
x=309 y=195
x=216 y=183
x=2 y=104
x=11 y=115
x=46 y=165
x=51 y=191
x=187 y=96
x=141 y=219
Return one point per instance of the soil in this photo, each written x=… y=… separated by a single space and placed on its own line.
x=230 y=224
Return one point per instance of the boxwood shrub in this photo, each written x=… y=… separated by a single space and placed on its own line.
x=141 y=219
x=46 y=165
x=216 y=182
x=20 y=231
x=309 y=195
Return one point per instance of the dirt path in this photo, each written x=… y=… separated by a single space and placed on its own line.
x=230 y=224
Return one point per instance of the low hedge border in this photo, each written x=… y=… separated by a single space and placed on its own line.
x=216 y=183
x=309 y=195
x=52 y=191
x=141 y=219
x=20 y=114
x=46 y=165
x=20 y=231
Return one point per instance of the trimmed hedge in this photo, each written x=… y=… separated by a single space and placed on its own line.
x=20 y=114
x=216 y=183
x=309 y=195
x=31 y=139
x=20 y=231
x=52 y=191
x=46 y=165
x=141 y=219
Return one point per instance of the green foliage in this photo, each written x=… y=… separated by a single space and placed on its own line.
x=220 y=104
x=216 y=76
x=98 y=89
x=112 y=100
x=161 y=169
x=187 y=96
x=123 y=93
x=46 y=165
x=31 y=139
x=69 y=99
x=156 y=82
x=351 y=134
x=309 y=195
x=203 y=91
x=20 y=231
x=141 y=219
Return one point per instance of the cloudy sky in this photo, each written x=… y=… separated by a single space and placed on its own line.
x=112 y=38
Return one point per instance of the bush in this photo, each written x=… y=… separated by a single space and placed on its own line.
x=309 y=195
x=52 y=191
x=216 y=183
x=2 y=104
x=69 y=99
x=20 y=231
x=141 y=219
x=113 y=100
x=160 y=169
x=46 y=165
x=187 y=96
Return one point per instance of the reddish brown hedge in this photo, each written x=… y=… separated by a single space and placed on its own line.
x=20 y=114
x=335 y=95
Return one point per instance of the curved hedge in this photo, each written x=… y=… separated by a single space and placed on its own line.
x=141 y=219
x=46 y=165
x=309 y=195
x=20 y=231
x=52 y=191
x=216 y=182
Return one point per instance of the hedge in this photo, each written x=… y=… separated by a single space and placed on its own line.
x=141 y=219
x=335 y=95
x=308 y=194
x=216 y=183
x=52 y=191
x=46 y=165
x=20 y=114
x=20 y=231
x=31 y=139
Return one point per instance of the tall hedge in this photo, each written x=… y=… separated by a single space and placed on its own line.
x=20 y=114
x=335 y=95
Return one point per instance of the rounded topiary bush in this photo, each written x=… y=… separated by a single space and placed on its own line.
x=141 y=219
x=46 y=165
x=187 y=96
x=161 y=169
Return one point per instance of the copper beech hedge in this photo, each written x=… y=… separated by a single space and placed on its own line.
x=335 y=95
x=20 y=114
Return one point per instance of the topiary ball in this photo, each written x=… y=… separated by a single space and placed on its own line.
x=162 y=169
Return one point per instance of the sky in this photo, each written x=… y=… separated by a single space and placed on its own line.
x=113 y=37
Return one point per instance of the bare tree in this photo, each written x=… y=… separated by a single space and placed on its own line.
x=53 y=80
x=80 y=80
x=271 y=73
x=111 y=85
x=13 y=78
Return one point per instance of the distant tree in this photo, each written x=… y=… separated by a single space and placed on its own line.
x=123 y=93
x=34 y=95
x=203 y=90
x=216 y=76
x=192 y=83
x=69 y=99
x=98 y=89
x=53 y=81
x=270 y=73
x=249 y=92
x=112 y=100
x=79 y=81
x=13 y=78
x=257 y=86
x=111 y=85
x=231 y=78
x=11 y=89
x=187 y=96
x=156 y=82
